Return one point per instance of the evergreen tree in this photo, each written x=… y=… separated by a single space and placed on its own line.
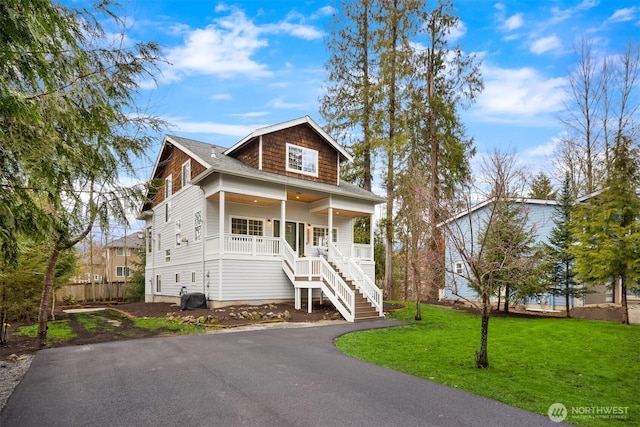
x=541 y=188
x=607 y=227
x=69 y=126
x=559 y=272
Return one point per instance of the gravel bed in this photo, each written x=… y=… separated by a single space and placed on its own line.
x=11 y=372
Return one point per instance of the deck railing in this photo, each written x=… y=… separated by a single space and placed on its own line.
x=353 y=272
x=247 y=245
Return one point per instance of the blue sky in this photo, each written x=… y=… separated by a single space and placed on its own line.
x=239 y=65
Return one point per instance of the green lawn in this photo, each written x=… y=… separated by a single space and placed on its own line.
x=533 y=362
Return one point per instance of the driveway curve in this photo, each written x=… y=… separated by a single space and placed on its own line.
x=271 y=377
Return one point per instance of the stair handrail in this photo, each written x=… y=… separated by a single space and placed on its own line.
x=337 y=290
x=355 y=273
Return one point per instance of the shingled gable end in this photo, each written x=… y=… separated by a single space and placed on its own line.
x=257 y=221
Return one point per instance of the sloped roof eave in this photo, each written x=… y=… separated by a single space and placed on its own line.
x=285 y=125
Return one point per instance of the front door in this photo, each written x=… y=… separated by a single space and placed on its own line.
x=290 y=234
x=294 y=235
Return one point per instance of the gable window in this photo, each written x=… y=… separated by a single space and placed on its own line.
x=167 y=212
x=320 y=236
x=123 y=252
x=122 y=271
x=193 y=277
x=251 y=227
x=302 y=160
x=186 y=173
x=167 y=255
x=159 y=242
x=168 y=187
x=197 y=225
x=458 y=268
x=178 y=278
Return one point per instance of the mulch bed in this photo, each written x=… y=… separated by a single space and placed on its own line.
x=127 y=329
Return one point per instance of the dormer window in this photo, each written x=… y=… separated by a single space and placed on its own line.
x=302 y=160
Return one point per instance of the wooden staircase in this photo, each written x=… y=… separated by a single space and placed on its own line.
x=364 y=310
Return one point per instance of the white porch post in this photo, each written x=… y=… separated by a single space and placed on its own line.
x=283 y=215
x=298 y=299
x=310 y=298
x=372 y=236
x=221 y=222
x=330 y=225
x=221 y=241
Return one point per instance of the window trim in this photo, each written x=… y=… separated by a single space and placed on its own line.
x=178 y=232
x=197 y=225
x=458 y=268
x=168 y=187
x=125 y=251
x=186 y=178
x=247 y=219
x=158 y=283
x=323 y=227
x=123 y=269
x=302 y=166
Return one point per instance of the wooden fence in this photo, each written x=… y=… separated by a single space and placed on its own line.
x=87 y=292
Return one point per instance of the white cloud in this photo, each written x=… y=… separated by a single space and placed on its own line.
x=185 y=126
x=251 y=114
x=323 y=11
x=227 y=47
x=223 y=49
x=560 y=15
x=221 y=96
x=545 y=44
x=282 y=104
x=518 y=95
x=298 y=30
x=513 y=22
x=458 y=32
x=624 y=15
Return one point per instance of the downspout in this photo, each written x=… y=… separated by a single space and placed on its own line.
x=203 y=234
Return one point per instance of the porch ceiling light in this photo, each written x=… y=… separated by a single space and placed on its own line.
x=255 y=200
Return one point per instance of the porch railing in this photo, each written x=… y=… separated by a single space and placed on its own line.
x=353 y=272
x=247 y=245
x=355 y=250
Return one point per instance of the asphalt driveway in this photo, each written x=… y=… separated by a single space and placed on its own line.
x=273 y=377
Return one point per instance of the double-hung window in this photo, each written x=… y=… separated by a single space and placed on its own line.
x=302 y=160
x=251 y=227
x=122 y=271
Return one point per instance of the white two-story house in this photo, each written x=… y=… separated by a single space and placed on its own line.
x=265 y=220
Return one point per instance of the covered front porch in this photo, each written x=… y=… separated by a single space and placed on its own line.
x=303 y=231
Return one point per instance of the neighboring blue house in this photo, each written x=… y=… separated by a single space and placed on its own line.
x=468 y=225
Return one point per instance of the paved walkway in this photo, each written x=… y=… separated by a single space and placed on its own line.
x=271 y=377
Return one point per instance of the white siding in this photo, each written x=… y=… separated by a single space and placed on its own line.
x=255 y=280
x=539 y=216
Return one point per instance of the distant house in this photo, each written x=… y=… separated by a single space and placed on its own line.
x=265 y=220
x=540 y=216
x=121 y=257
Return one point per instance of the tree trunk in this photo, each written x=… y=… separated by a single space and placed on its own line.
x=566 y=301
x=507 y=291
x=623 y=300
x=482 y=357
x=499 y=295
x=47 y=293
